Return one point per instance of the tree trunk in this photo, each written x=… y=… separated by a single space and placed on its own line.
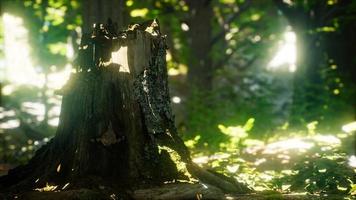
x=200 y=73
x=307 y=78
x=115 y=121
x=98 y=11
x=316 y=51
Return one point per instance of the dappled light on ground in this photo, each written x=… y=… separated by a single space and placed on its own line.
x=47 y=188
x=276 y=164
x=285 y=145
x=350 y=127
x=352 y=161
x=14 y=123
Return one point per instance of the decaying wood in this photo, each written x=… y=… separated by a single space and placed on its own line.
x=115 y=119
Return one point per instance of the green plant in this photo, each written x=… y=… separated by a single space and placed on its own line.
x=327 y=174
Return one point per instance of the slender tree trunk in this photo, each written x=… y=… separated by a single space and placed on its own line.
x=316 y=51
x=44 y=99
x=310 y=61
x=342 y=48
x=308 y=77
x=200 y=71
x=98 y=11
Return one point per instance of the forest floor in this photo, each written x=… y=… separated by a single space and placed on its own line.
x=171 y=192
x=256 y=165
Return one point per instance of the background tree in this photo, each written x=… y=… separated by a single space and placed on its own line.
x=94 y=11
x=321 y=71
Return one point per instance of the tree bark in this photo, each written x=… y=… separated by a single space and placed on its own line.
x=307 y=78
x=102 y=120
x=200 y=72
x=98 y=11
x=115 y=120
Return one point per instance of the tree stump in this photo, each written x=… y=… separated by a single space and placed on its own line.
x=115 y=121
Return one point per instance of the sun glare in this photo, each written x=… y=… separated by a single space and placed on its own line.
x=18 y=69
x=286 y=54
x=18 y=66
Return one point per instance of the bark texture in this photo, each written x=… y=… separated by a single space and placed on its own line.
x=98 y=11
x=199 y=38
x=115 y=123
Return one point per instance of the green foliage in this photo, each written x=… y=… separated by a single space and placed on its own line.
x=231 y=127
x=320 y=170
x=249 y=100
x=203 y=122
x=328 y=107
x=237 y=135
x=324 y=70
x=49 y=24
x=323 y=175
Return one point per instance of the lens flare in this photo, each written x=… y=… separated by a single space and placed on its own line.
x=286 y=55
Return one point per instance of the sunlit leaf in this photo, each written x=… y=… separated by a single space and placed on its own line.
x=139 y=12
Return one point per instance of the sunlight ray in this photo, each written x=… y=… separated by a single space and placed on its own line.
x=286 y=54
x=19 y=67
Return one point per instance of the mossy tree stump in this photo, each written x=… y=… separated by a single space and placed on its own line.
x=115 y=116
